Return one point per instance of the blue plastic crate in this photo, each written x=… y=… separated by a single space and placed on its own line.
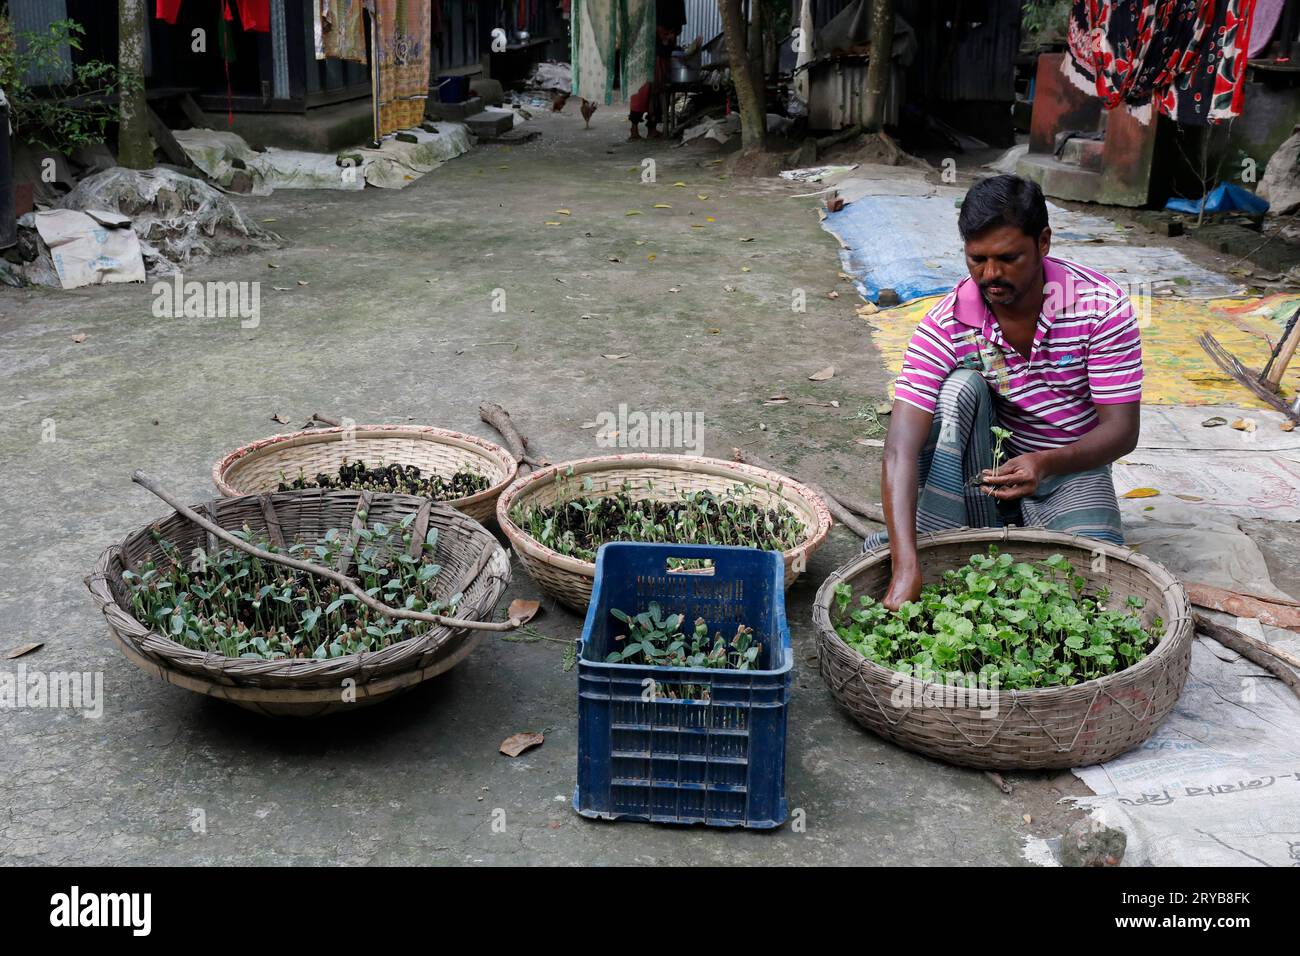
x=719 y=761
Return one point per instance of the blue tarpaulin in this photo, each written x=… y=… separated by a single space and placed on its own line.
x=1223 y=198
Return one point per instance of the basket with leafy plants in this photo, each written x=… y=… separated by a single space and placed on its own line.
x=464 y=471
x=1027 y=648
x=301 y=603
x=558 y=517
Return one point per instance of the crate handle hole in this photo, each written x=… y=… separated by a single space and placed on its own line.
x=700 y=567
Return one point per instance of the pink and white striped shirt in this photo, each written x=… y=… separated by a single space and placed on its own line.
x=1087 y=351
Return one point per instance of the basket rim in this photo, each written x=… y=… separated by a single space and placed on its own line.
x=431 y=638
x=524 y=484
x=1177 y=620
x=307 y=436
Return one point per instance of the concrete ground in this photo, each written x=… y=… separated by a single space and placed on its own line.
x=396 y=323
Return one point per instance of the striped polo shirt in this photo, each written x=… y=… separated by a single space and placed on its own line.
x=1087 y=351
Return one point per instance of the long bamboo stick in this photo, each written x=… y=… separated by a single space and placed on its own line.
x=150 y=483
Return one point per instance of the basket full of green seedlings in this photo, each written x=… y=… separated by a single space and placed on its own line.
x=464 y=471
x=303 y=602
x=558 y=517
x=1027 y=648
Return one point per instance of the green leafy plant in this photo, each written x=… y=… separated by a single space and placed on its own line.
x=1010 y=623
x=659 y=641
x=1000 y=435
x=578 y=526
x=237 y=605
x=74 y=103
x=399 y=479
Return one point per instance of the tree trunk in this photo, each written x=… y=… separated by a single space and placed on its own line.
x=878 y=68
x=133 y=149
x=753 y=121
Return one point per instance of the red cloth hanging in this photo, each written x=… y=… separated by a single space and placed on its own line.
x=255 y=15
x=168 y=10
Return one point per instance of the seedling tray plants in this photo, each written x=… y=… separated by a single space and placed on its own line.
x=1049 y=651
x=465 y=471
x=684 y=680
x=558 y=516
x=192 y=609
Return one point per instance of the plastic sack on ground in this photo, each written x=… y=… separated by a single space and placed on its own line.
x=1222 y=198
x=177 y=217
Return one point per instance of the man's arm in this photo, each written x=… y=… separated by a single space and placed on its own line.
x=909 y=427
x=1116 y=435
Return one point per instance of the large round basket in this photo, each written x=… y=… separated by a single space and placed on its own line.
x=1052 y=727
x=473 y=563
x=261 y=467
x=654 y=477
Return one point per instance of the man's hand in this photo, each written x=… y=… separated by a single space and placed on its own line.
x=1016 y=478
x=904 y=586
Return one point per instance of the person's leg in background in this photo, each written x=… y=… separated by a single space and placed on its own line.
x=960 y=446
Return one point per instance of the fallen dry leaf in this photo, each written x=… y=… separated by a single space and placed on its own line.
x=79 y=338
x=1214 y=422
x=674 y=289
x=563 y=212
x=662 y=205
x=885 y=408
x=746 y=269
x=272 y=265
x=303 y=282
x=551 y=222
x=868 y=308
x=871 y=442
x=1190 y=497
x=728 y=288
x=747 y=239
x=777 y=400
x=632 y=212
x=1140 y=493
x=1027 y=818
x=516 y=744
x=824 y=375
x=615 y=355
x=832 y=295
x=589 y=425
x=279 y=419
x=22 y=649
x=1287 y=425
x=1244 y=424
x=714 y=331
x=613 y=258
x=523 y=610
x=682 y=185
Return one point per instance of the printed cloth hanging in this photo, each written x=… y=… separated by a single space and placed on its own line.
x=1186 y=56
x=600 y=29
x=340 y=30
x=254 y=15
x=403 y=54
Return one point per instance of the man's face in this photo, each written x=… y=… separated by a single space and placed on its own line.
x=1005 y=262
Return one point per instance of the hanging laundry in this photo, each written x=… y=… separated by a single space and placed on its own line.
x=1186 y=56
x=168 y=10
x=403 y=42
x=600 y=28
x=254 y=15
x=340 y=30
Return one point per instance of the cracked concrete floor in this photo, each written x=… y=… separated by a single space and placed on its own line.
x=396 y=323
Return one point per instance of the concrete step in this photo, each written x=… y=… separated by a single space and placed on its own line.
x=1060 y=180
x=455 y=112
x=1085 y=153
x=485 y=125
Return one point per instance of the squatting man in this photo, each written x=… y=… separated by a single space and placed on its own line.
x=1042 y=347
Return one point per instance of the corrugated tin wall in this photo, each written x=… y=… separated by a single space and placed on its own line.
x=35 y=16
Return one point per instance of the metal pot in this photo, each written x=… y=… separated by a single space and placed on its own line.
x=683 y=70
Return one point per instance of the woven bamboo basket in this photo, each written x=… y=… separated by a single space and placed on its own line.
x=260 y=467
x=1052 y=727
x=654 y=477
x=472 y=561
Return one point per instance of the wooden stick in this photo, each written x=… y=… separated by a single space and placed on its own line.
x=1277 y=367
x=336 y=423
x=496 y=416
x=838 y=511
x=1254 y=650
x=152 y=484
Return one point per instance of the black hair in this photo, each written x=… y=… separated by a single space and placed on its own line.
x=1003 y=201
